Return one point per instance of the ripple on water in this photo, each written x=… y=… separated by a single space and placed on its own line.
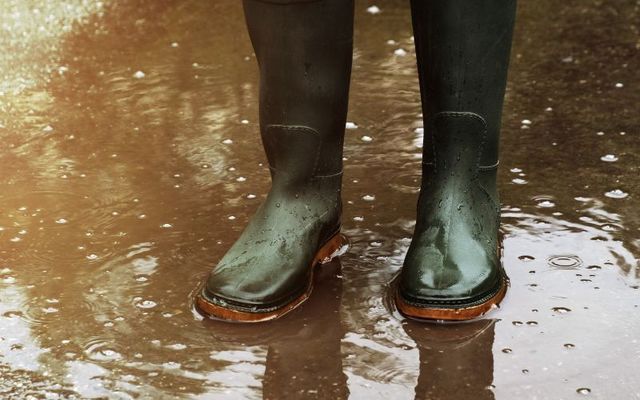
x=99 y=349
x=544 y=201
x=407 y=180
x=565 y=261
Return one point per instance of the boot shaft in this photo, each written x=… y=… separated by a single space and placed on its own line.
x=463 y=49
x=304 y=52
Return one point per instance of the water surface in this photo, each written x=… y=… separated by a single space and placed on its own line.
x=130 y=162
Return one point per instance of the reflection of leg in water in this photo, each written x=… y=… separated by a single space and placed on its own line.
x=456 y=362
x=303 y=359
x=304 y=51
x=308 y=364
x=452 y=270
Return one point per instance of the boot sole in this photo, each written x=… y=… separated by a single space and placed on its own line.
x=458 y=312
x=334 y=247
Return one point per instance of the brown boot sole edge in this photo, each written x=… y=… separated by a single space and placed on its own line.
x=326 y=253
x=459 y=313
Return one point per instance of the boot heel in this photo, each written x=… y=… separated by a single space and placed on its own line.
x=335 y=247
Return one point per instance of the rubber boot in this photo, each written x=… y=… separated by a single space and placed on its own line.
x=452 y=270
x=304 y=52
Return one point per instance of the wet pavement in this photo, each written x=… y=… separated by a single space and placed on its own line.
x=130 y=161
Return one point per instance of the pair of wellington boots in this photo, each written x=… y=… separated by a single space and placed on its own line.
x=452 y=270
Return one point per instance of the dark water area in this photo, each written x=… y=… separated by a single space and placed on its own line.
x=130 y=161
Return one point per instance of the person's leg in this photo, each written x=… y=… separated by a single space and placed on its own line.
x=304 y=52
x=452 y=270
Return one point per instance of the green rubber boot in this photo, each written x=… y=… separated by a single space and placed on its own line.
x=452 y=270
x=304 y=52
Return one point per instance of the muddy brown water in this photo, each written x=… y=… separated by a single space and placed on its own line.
x=130 y=161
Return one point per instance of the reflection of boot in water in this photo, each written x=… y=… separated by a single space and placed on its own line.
x=303 y=359
x=456 y=361
x=304 y=54
x=452 y=270
x=308 y=365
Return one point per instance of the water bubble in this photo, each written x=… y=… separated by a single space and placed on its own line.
x=351 y=125
x=231 y=217
x=174 y=44
x=139 y=75
x=546 y=204
x=594 y=267
x=609 y=158
x=616 y=194
x=519 y=181
x=619 y=85
x=600 y=133
x=561 y=310
x=532 y=323
x=517 y=323
x=569 y=345
x=244 y=121
x=251 y=196
x=368 y=197
x=241 y=179
x=177 y=346
x=584 y=391
x=400 y=52
x=166 y=226
x=92 y=256
x=373 y=10
x=227 y=141
x=146 y=304
x=366 y=139
x=526 y=258
x=507 y=350
x=47 y=128
x=358 y=219
x=525 y=371
x=205 y=166
x=526 y=122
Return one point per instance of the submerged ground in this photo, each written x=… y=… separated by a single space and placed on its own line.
x=129 y=161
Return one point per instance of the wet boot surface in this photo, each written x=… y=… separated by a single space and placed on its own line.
x=130 y=165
